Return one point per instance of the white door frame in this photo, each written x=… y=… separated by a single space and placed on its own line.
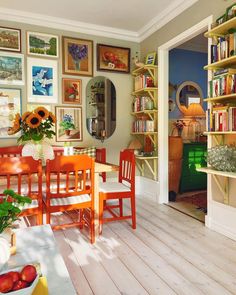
x=163 y=96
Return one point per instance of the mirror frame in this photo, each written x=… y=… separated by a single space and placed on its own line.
x=181 y=86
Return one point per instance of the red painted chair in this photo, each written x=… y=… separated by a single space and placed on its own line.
x=101 y=158
x=66 y=188
x=24 y=176
x=11 y=151
x=123 y=189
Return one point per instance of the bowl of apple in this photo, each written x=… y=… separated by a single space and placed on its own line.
x=19 y=281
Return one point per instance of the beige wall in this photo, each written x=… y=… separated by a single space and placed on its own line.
x=187 y=19
x=123 y=83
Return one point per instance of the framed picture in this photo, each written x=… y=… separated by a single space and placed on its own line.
x=42 y=44
x=42 y=79
x=10 y=105
x=30 y=107
x=12 y=68
x=71 y=91
x=69 y=123
x=10 y=39
x=151 y=58
x=113 y=58
x=77 y=56
x=231 y=12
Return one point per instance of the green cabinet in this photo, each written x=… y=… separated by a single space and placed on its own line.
x=193 y=157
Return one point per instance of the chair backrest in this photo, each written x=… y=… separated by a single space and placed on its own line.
x=101 y=158
x=23 y=175
x=127 y=168
x=66 y=176
x=11 y=151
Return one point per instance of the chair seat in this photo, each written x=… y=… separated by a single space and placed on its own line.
x=69 y=200
x=34 y=204
x=113 y=187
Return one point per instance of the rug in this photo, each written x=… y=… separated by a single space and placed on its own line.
x=199 y=200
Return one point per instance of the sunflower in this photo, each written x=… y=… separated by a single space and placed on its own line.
x=33 y=120
x=17 y=121
x=42 y=112
x=25 y=115
x=52 y=118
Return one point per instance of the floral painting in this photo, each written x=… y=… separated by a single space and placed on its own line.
x=77 y=56
x=10 y=105
x=11 y=68
x=113 y=58
x=10 y=39
x=42 y=80
x=69 y=124
x=42 y=44
x=71 y=91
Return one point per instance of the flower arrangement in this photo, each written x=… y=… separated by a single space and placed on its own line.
x=10 y=208
x=35 y=125
x=72 y=91
x=179 y=125
x=77 y=52
x=67 y=122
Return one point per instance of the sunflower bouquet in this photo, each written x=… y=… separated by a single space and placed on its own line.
x=36 y=125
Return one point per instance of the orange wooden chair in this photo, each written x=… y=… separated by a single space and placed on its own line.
x=24 y=176
x=101 y=158
x=11 y=151
x=66 y=188
x=123 y=189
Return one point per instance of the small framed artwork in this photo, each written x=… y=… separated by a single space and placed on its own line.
x=113 y=58
x=69 y=123
x=10 y=39
x=71 y=91
x=231 y=12
x=12 y=68
x=10 y=105
x=77 y=56
x=40 y=44
x=151 y=58
x=42 y=80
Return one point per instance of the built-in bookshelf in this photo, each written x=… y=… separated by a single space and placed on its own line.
x=144 y=111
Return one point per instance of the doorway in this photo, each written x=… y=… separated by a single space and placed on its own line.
x=163 y=107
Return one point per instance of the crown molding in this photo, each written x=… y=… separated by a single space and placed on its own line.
x=172 y=11
x=66 y=25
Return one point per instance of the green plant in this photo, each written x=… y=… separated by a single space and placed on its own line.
x=67 y=122
x=9 y=208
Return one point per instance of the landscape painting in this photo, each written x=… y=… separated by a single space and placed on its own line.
x=42 y=44
x=11 y=68
x=10 y=105
x=10 y=39
x=42 y=80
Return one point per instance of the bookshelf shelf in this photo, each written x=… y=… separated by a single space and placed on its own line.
x=224 y=98
x=221 y=63
x=209 y=170
x=222 y=29
x=220 y=132
x=144 y=133
x=143 y=90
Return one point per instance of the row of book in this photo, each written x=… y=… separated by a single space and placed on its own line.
x=143 y=81
x=221 y=118
x=225 y=47
x=143 y=126
x=142 y=103
x=223 y=83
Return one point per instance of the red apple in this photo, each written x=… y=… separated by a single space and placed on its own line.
x=15 y=275
x=28 y=273
x=20 y=285
x=6 y=283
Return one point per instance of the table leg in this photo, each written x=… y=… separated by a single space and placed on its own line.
x=96 y=203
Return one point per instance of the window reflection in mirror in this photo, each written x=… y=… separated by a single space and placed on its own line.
x=101 y=107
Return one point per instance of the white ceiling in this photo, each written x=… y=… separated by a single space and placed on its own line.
x=134 y=19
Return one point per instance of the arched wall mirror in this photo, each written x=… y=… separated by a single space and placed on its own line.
x=101 y=107
x=188 y=92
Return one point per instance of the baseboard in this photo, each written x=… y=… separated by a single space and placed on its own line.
x=222 y=219
x=147 y=188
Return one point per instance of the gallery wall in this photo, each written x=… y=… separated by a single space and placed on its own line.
x=123 y=84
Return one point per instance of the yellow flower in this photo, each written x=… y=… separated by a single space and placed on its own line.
x=25 y=115
x=42 y=112
x=33 y=120
x=52 y=117
x=16 y=123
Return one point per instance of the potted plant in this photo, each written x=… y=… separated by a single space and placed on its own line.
x=67 y=124
x=10 y=208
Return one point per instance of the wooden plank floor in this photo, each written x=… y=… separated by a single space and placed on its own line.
x=168 y=253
